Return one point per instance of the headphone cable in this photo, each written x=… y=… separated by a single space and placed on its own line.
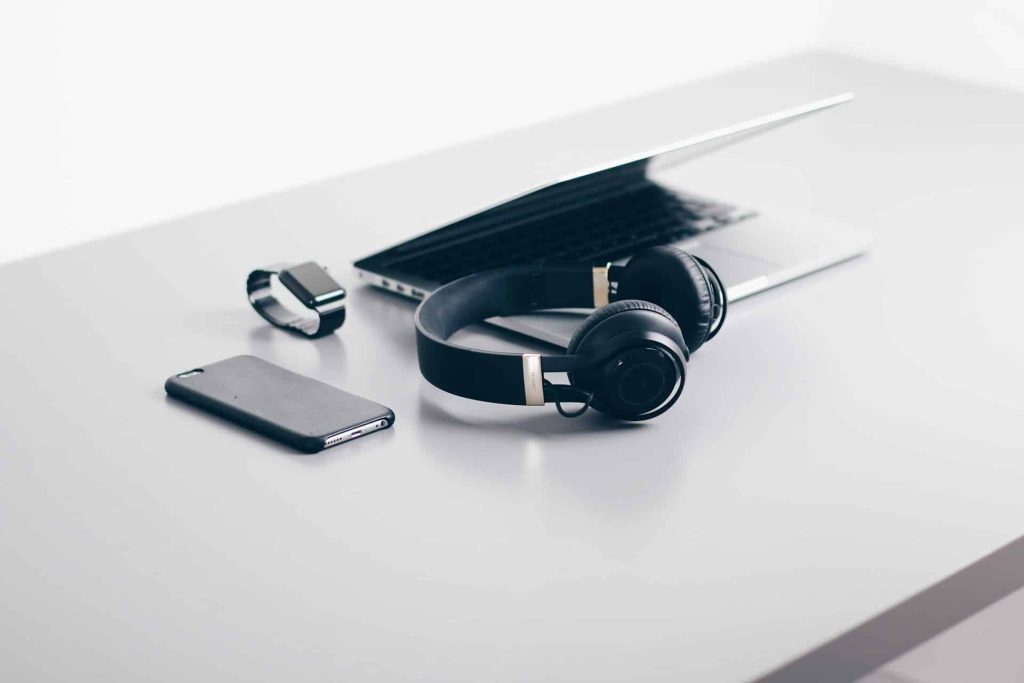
x=558 y=401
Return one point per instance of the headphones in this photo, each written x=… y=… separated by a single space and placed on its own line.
x=628 y=359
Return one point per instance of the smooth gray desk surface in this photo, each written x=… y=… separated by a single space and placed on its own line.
x=848 y=439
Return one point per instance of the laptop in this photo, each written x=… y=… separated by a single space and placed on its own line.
x=607 y=213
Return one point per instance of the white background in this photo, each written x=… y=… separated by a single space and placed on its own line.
x=115 y=114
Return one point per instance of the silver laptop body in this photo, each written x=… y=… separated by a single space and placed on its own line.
x=751 y=251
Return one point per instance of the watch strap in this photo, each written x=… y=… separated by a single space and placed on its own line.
x=321 y=319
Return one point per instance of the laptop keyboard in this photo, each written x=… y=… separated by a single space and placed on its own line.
x=599 y=225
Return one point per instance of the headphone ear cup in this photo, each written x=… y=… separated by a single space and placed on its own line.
x=630 y=375
x=675 y=281
x=605 y=312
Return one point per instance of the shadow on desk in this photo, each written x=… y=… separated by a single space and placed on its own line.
x=324 y=356
x=550 y=423
x=552 y=455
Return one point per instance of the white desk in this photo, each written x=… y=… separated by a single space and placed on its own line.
x=847 y=440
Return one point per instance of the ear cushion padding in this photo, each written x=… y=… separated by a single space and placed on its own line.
x=675 y=281
x=605 y=312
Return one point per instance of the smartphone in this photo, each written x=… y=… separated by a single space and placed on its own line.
x=296 y=410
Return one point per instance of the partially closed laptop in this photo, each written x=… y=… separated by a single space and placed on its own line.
x=607 y=213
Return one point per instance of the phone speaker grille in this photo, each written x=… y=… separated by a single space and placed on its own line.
x=355 y=432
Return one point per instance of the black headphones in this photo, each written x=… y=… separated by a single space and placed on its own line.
x=628 y=358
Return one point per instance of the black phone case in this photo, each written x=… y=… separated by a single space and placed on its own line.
x=296 y=410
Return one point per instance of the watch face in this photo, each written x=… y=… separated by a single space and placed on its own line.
x=311 y=284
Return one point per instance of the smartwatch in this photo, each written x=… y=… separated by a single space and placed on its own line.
x=322 y=297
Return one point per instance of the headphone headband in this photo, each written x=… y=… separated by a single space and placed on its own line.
x=617 y=357
x=495 y=376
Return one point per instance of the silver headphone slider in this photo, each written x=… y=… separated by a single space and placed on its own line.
x=533 y=380
x=601 y=287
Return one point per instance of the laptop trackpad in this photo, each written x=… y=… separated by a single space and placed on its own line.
x=734 y=268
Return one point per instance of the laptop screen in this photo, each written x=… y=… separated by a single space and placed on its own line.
x=592 y=214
